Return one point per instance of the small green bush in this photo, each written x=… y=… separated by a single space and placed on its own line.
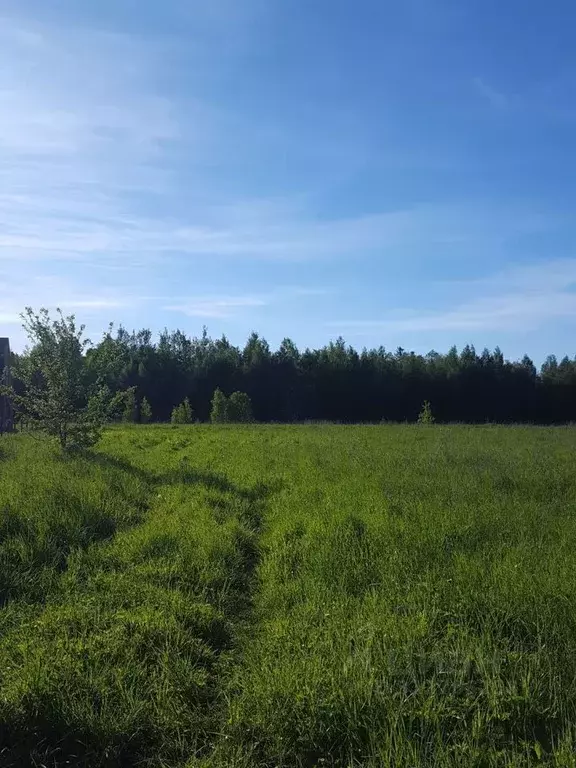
x=239 y=408
x=145 y=412
x=426 y=416
x=219 y=412
x=182 y=414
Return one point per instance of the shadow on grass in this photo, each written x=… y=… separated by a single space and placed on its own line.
x=188 y=475
x=49 y=518
x=53 y=742
x=64 y=746
x=112 y=462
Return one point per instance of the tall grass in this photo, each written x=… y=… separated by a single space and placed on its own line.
x=290 y=596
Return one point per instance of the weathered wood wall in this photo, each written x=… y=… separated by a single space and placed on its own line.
x=6 y=411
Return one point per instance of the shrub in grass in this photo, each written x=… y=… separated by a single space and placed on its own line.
x=239 y=409
x=426 y=416
x=145 y=411
x=182 y=414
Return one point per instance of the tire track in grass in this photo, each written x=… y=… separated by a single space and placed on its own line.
x=247 y=507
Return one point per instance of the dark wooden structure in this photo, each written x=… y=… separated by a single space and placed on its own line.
x=6 y=410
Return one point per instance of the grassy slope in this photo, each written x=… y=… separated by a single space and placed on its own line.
x=290 y=596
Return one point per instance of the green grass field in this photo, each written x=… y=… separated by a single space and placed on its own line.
x=290 y=596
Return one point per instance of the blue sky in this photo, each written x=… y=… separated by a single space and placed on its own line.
x=398 y=173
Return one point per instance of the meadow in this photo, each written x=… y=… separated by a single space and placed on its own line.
x=290 y=596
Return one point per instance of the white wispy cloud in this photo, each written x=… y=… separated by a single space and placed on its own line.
x=89 y=152
x=216 y=306
x=22 y=289
x=10 y=318
x=225 y=306
x=65 y=91
x=491 y=94
x=517 y=299
x=53 y=237
x=79 y=132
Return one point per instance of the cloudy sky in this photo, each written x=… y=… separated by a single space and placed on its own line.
x=398 y=173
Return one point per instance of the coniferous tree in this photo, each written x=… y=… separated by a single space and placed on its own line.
x=334 y=382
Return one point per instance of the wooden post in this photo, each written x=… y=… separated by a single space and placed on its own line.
x=6 y=410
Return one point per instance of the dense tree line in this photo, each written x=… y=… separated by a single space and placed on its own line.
x=335 y=383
